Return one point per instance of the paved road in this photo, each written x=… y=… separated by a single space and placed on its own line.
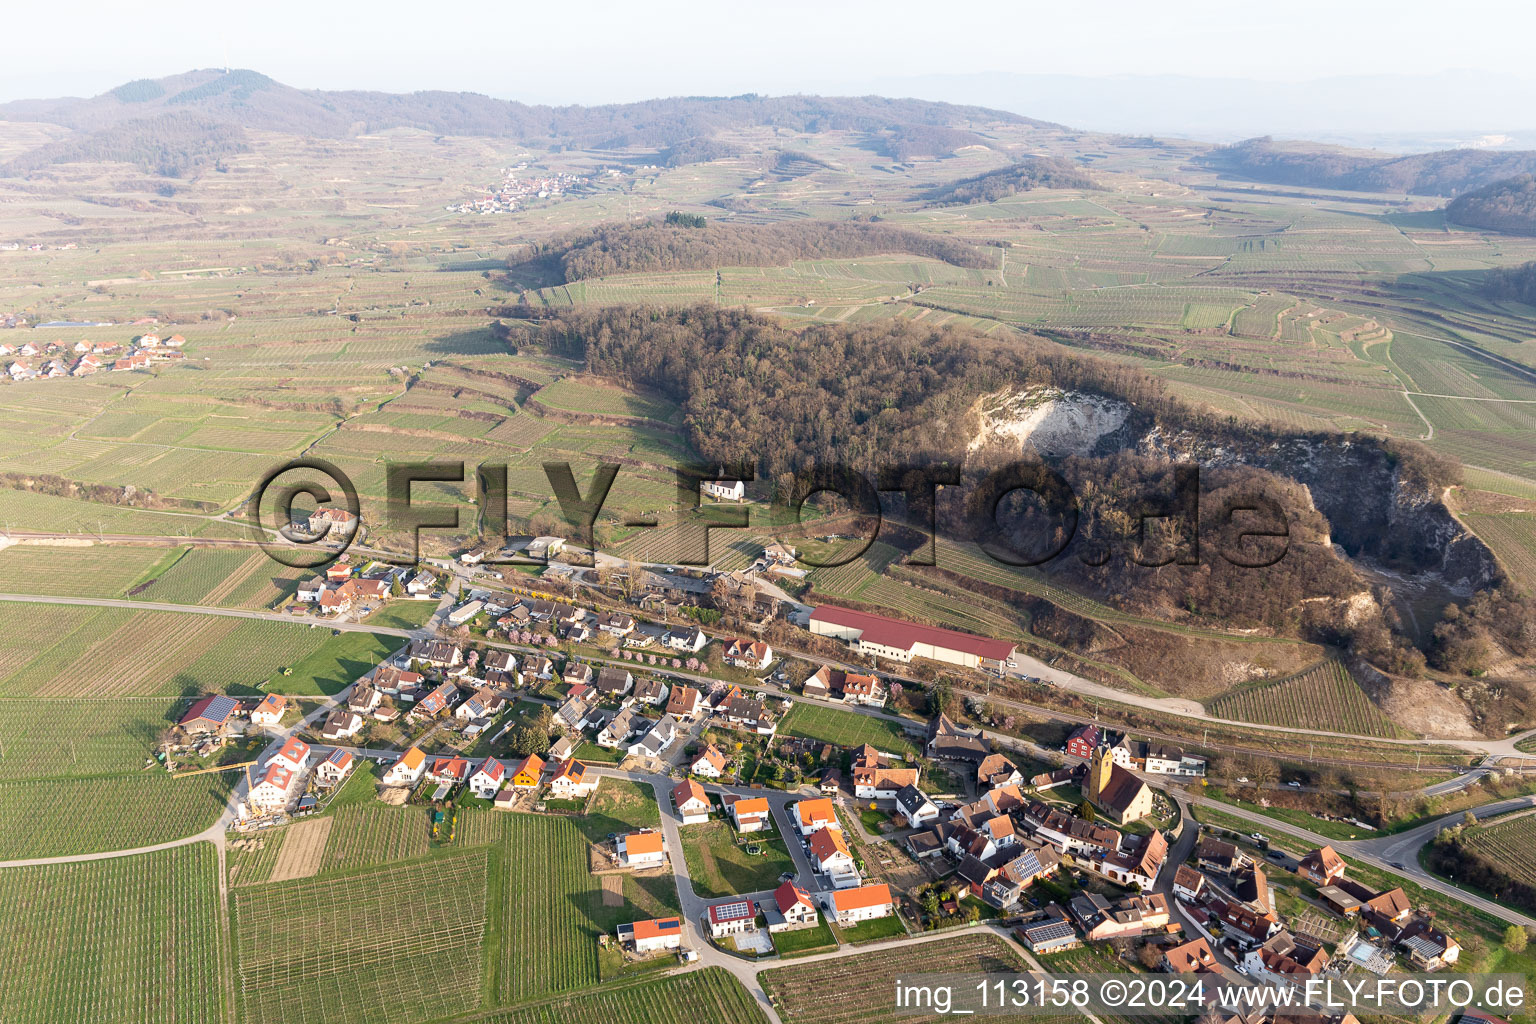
x=1376 y=852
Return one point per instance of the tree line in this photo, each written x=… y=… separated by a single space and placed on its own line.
x=651 y=247
x=1444 y=173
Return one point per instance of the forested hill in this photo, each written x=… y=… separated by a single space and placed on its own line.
x=681 y=124
x=1032 y=173
x=690 y=243
x=1446 y=173
x=1508 y=205
x=1518 y=283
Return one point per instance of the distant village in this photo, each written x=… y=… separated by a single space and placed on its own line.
x=33 y=359
x=514 y=191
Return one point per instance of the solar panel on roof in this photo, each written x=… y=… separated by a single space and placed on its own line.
x=670 y=925
x=730 y=911
x=220 y=708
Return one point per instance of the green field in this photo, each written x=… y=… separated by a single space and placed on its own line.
x=127 y=939
x=720 y=866
x=397 y=944
x=847 y=729
x=1325 y=698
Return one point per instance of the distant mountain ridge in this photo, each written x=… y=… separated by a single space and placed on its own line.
x=1446 y=173
x=251 y=100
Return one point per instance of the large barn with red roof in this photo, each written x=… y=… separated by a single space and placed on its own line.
x=902 y=641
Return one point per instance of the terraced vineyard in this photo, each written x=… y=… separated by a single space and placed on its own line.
x=127 y=939
x=710 y=995
x=392 y=946
x=1324 y=697
x=1509 y=844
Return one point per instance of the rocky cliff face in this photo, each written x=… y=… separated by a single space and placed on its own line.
x=1374 y=510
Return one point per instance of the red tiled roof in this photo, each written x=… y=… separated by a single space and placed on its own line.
x=877 y=629
x=862 y=897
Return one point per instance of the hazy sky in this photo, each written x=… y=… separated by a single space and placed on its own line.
x=599 y=51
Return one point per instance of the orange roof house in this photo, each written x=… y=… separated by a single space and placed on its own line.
x=526 y=776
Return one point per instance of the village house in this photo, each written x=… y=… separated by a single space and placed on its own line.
x=688 y=639
x=644 y=849
x=710 y=763
x=947 y=741
x=997 y=770
x=1192 y=957
x=527 y=773
x=684 y=702
x=830 y=855
x=790 y=909
x=865 y=903
x=1128 y=918
x=652 y=936
x=407 y=770
x=487 y=778
x=611 y=682
x=753 y=655
x=1222 y=857
x=691 y=801
x=270 y=711
x=269 y=791
x=1286 y=959
x=1322 y=866
x=337 y=766
x=293 y=755
x=481 y=704
x=1244 y=925
x=915 y=806
x=725 y=490
x=563 y=749
x=452 y=770
x=616 y=623
x=362 y=699
x=651 y=692
x=340 y=725
x=750 y=814
x=618 y=729
x=571 y=716
x=811 y=815
x=656 y=740
x=573 y=781
x=1188 y=884
x=536 y=666
x=875 y=779
x=1083 y=741
x=733 y=917
x=438 y=654
x=436 y=702
x=397 y=682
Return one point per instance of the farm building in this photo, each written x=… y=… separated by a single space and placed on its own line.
x=210 y=715
x=901 y=641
